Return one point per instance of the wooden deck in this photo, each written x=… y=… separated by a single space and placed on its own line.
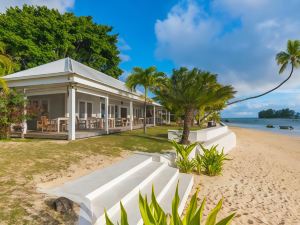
x=80 y=134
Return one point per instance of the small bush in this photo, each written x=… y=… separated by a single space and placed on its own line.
x=183 y=162
x=153 y=214
x=212 y=161
x=198 y=163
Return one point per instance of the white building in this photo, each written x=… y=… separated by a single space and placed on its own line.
x=72 y=100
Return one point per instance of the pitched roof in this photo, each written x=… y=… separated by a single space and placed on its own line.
x=65 y=66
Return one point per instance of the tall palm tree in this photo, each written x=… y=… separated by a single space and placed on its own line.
x=148 y=78
x=188 y=90
x=284 y=58
x=6 y=66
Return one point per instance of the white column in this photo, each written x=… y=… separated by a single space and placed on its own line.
x=154 y=116
x=71 y=112
x=24 y=125
x=106 y=116
x=169 y=117
x=131 y=114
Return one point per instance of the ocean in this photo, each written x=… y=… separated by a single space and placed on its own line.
x=260 y=124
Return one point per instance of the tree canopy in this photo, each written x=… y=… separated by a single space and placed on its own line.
x=188 y=90
x=149 y=79
x=282 y=113
x=38 y=35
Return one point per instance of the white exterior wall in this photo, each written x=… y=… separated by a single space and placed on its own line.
x=221 y=136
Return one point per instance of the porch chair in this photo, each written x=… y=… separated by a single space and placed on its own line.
x=81 y=124
x=42 y=124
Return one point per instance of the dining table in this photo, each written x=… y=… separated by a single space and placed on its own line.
x=59 y=120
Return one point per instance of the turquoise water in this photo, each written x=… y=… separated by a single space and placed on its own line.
x=260 y=124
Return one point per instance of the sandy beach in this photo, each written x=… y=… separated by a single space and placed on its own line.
x=261 y=182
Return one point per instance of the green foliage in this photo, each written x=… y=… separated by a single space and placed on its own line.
x=187 y=90
x=11 y=111
x=198 y=163
x=183 y=162
x=149 y=79
x=38 y=35
x=282 y=113
x=153 y=214
x=212 y=161
x=291 y=55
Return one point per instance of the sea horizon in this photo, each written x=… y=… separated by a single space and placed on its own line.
x=261 y=124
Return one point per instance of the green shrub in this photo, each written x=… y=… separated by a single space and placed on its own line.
x=183 y=162
x=198 y=163
x=153 y=214
x=212 y=161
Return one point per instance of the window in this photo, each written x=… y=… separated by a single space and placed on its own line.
x=111 y=111
x=102 y=110
x=81 y=109
x=116 y=111
x=89 y=109
x=44 y=107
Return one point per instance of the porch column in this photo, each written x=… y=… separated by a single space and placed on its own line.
x=154 y=116
x=24 y=123
x=131 y=115
x=169 y=117
x=71 y=111
x=106 y=116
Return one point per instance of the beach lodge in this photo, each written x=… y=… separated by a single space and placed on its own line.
x=75 y=101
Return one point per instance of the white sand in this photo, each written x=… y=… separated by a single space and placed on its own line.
x=261 y=183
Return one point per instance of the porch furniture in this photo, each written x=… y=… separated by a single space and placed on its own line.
x=125 y=122
x=119 y=122
x=44 y=124
x=111 y=122
x=52 y=125
x=81 y=123
x=62 y=123
x=100 y=122
x=92 y=123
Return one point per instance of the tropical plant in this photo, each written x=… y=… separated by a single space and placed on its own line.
x=37 y=35
x=11 y=111
x=284 y=58
x=198 y=163
x=6 y=66
x=212 y=160
x=153 y=214
x=149 y=79
x=187 y=90
x=183 y=161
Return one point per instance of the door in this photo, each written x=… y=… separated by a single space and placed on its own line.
x=123 y=112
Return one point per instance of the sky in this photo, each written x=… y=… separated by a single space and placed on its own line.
x=236 y=39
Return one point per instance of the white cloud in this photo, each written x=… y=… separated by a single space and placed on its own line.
x=124 y=57
x=124 y=47
x=238 y=39
x=61 y=5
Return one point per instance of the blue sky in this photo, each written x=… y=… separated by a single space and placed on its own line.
x=237 y=39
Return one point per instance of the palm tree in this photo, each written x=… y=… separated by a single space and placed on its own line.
x=149 y=79
x=188 y=90
x=291 y=56
x=6 y=66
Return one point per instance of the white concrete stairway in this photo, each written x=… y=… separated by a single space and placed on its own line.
x=104 y=189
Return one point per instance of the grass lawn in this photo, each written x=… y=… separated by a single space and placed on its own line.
x=22 y=160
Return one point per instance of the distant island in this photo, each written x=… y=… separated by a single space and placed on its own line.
x=282 y=113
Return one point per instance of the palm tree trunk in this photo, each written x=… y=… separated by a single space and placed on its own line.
x=188 y=116
x=267 y=92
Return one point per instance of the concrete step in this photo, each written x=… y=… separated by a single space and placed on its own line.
x=92 y=185
x=185 y=186
x=124 y=191
x=161 y=182
x=226 y=141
